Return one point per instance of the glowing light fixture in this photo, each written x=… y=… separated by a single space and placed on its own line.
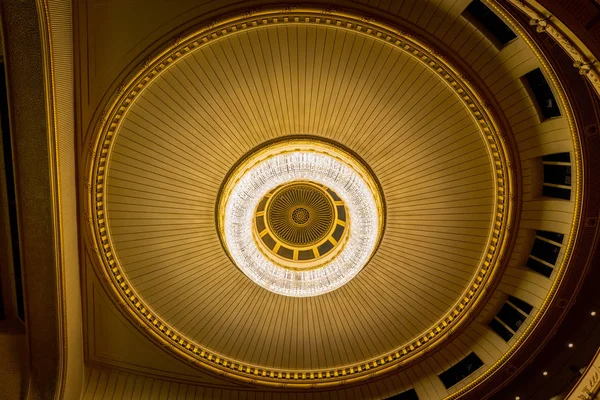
x=328 y=167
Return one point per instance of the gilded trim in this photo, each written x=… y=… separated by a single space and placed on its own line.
x=588 y=386
x=504 y=209
x=291 y=143
x=55 y=179
x=576 y=188
x=544 y=21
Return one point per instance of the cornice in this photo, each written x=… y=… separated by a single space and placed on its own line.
x=588 y=387
x=141 y=313
x=27 y=95
x=569 y=280
x=586 y=63
x=49 y=89
x=61 y=152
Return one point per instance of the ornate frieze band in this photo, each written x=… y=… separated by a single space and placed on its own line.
x=193 y=352
x=588 y=67
x=577 y=192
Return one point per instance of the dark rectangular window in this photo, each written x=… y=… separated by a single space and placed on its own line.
x=511 y=317
x=555 y=237
x=558 y=157
x=557 y=174
x=489 y=23
x=500 y=329
x=520 y=304
x=11 y=196
x=1 y=303
x=408 y=395
x=547 y=105
x=556 y=192
x=539 y=267
x=461 y=370
x=545 y=251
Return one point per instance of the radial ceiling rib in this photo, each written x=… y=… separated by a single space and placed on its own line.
x=192 y=124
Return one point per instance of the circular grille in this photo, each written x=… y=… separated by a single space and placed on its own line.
x=300 y=214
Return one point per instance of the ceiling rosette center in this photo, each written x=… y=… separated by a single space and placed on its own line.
x=214 y=210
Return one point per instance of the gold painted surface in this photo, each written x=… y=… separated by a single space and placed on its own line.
x=446 y=188
x=288 y=144
x=573 y=216
x=44 y=172
x=583 y=59
x=588 y=386
x=299 y=217
x=300 y=214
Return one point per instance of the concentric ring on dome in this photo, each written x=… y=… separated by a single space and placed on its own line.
x=301 y=224
x=301 y=163
x=194 y=350
x=300 y=214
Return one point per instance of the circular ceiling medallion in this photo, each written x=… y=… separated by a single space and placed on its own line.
x=300 y=216
x=301 y=221
x=212 y=124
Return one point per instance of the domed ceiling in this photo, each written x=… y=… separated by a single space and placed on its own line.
x=442 y=175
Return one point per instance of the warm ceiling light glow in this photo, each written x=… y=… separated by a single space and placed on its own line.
x=545 y=373
x=593 y=313
x=517 y=398
x=570 y=345
x=317 y=163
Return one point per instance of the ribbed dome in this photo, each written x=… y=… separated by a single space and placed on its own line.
x=395 y=105
x=300 y=214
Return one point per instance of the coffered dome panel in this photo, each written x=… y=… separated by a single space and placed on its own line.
x=194 y=111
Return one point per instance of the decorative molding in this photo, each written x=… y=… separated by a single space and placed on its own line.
x=551 y=299
x=35 y=105
x=57 y=46
x=588 y=387
x=544 y=21
x=147 y=320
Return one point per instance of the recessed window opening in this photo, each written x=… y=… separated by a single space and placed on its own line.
x=1 y=302
x=557 y=176
x=544 y=252
x=11 y=195
x=460 y=370
x=408 y=395
x=510 y=317
x=492 y=26
x=544 y=98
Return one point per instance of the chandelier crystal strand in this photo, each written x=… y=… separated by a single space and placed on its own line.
x=315 y=167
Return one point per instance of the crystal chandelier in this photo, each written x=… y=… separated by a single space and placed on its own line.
x=302 y=162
